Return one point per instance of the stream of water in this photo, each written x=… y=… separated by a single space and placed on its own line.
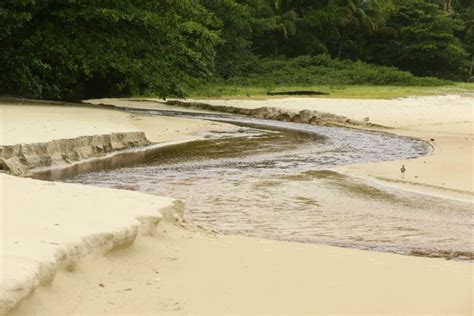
x=276 y=183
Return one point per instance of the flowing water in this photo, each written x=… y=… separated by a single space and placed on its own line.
x=275 y=183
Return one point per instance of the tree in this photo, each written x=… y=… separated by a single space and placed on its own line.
x=284 y=18
x=427 y=45
x=359 y=20
x=235 y=30
x=317 y=29
x=465 y=12
x=275 y=22
x=85 y=49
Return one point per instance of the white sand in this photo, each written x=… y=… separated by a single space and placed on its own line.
x=30 y=123
x=419 y=113
x=188 y=272
x=142 y=104
x=48 y=226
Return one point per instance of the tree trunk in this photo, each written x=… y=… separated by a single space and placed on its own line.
x=472 y=65
x=448 y=6
x=339 y=51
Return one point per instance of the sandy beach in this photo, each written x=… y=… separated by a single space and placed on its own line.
x=182 y=272
x=61 y=120
x=177 y=270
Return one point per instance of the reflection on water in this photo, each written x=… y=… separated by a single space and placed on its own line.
x=275 y=186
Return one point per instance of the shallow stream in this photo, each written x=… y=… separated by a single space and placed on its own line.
x=274 y=183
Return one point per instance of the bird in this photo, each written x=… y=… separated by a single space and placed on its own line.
x=403 y=169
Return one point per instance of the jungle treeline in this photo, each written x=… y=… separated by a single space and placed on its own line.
x=75 y=49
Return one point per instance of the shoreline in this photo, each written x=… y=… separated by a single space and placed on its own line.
x=444 y=122
x=353 y=113
x=191 y=247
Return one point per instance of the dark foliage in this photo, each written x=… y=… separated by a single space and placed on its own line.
x=75 y=49
x=324 y=70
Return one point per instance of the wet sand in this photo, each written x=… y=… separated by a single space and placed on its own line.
x=187 y=271
x=277 y=186
x=446 y=122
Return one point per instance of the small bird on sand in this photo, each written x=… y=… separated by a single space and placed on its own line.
x=403 y=169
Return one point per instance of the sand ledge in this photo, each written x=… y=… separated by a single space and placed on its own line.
x=279 y=114
x=36 y=244
x=22 y=159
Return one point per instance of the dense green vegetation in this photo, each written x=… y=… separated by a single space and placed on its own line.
x=323 y=70
x=83 y=49
x=72 y=49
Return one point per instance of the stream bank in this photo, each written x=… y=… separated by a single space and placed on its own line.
x=280 y=185
x=201 y=273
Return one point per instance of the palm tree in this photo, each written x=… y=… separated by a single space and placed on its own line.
x=468 y=18
x=284 y=20
x=367 y=16
x=464 y=10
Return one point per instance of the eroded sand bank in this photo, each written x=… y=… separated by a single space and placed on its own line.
x=43 y=136
x=185 y=271
x=50 y=226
